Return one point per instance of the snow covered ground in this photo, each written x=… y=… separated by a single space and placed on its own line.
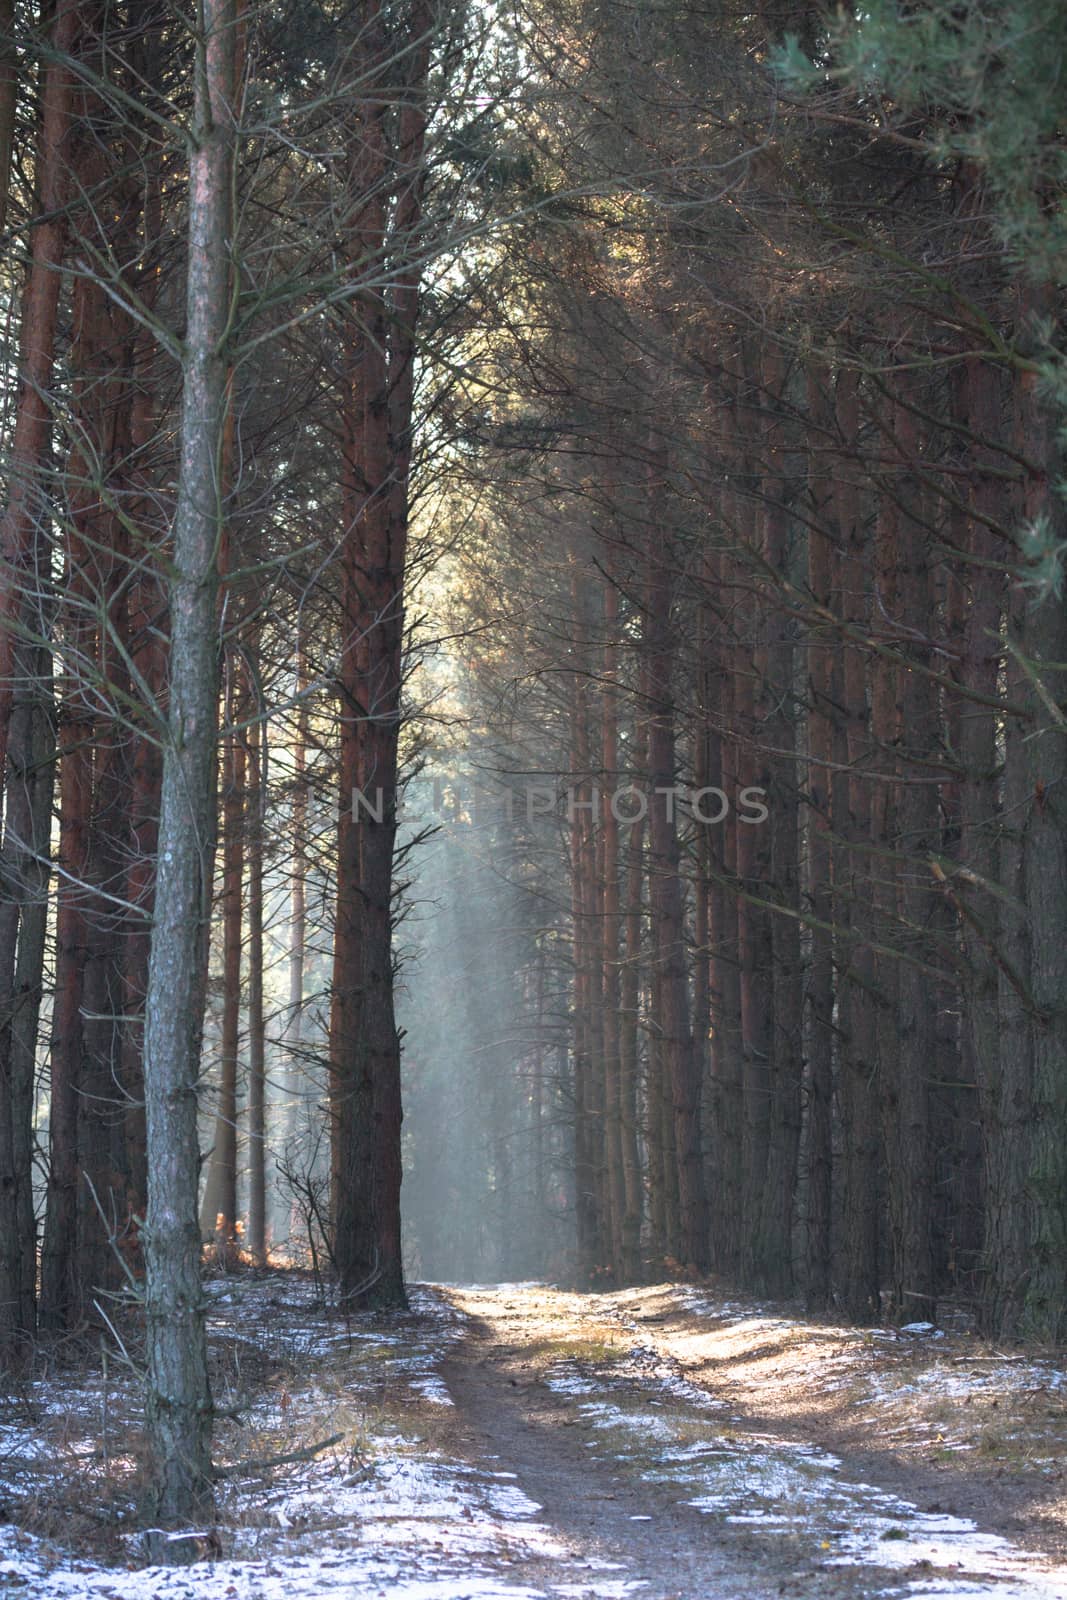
x=384 y=1512
x=399 y=1506
x=792 y=1489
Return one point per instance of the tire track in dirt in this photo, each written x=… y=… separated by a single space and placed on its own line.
x=657 y=1545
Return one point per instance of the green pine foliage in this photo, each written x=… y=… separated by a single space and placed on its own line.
x=990 y=86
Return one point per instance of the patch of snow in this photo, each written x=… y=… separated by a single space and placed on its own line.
x=509 y=1502
x=433 y=1389
x=34 y=1566
x=601 y=1414
x=565 y=1378
x=610 y=1589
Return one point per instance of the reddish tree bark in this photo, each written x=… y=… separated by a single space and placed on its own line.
x=779 y=733
x=723 y=931
x=820 y=732
x=608 y=870
x=659 y=644
x=858 y=1091
x=752 y=843
x=630 y=1005
x=909 y=1153
x=146 y=628
x=997 y=1023
x=377 y=411
x=37 y=342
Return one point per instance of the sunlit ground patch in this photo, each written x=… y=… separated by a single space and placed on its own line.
x=758 y=1484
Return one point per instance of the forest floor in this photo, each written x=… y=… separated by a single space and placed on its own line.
x=519 y=1442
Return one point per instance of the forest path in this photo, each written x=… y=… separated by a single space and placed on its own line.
x=650 y=1479
x=632 y=1533
x=519 y=1442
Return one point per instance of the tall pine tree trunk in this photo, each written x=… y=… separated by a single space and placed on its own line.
x=20 y=542
x=178 y=1405
x=588 y=1215
x=779 y=733
x=386 y=154
x=37 y=333
x=295 y=1092
x=257 y=1039
x=909 y=1157
x=24 y=875
x=723 y=922
x=681 y=1070
x=820 y=752
x=858 y=1086
x=629 y=1013
x=1041 y=650
x=218 y=1209
x=615 y=1110
x=146 y=623
x=755 y=942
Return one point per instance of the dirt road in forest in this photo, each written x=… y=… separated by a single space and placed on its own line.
x=522 y=1443
x=666 y=1493
x=620 y=1523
